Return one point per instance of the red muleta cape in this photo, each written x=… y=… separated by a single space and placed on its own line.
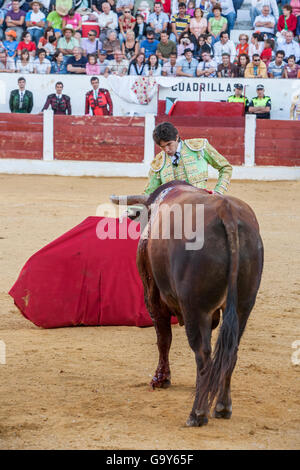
x=79 y=279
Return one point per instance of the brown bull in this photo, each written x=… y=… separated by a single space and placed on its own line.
x=197 y=285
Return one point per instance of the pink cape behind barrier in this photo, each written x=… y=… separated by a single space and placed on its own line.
x=79 y=279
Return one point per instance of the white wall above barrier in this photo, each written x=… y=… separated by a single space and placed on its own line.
x=138 y=95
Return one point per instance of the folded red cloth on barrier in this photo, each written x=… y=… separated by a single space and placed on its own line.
x=79 y=279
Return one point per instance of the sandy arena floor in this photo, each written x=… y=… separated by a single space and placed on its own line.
x=87 y=388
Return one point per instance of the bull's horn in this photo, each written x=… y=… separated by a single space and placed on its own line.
x=129 y=200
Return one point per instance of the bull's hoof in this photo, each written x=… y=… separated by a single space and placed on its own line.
x=196 y=421
x=160 y=382
x=220 y=412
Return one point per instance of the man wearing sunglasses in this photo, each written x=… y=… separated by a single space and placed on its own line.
x=91 y=45
x=256 y=69
x=238 y=96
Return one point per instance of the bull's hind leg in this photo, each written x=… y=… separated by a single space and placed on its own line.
x=223 y=408
x=199 y=337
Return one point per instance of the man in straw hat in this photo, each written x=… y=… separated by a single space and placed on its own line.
x=35 y=21
x=67 y=42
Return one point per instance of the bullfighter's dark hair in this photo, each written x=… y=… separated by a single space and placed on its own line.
x=164 y=131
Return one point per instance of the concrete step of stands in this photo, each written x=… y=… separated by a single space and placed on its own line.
x=234 y=36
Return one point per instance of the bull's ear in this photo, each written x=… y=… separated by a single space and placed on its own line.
x=129 y=200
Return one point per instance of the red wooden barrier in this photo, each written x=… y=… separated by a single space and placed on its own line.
x=277 y=143
x=21 y=136
x=99 y=138
x=228 y=140
x=202 y=108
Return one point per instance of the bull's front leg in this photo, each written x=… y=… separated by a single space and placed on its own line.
x=162 y=376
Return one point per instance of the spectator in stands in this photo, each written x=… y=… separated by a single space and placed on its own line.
x=35 y=21
x=15 y=19
x=82 y=7
x=59 y=103
x=256 y=45
x=217 y=23
x=21 y=100
x=91 y=45
x=58 y=64
x=98 y=100
x=242 y=62
x=238 y=96
x=170 y=67
x=198 y=24
x=158 y=20
x=179 y=23
x=140 y=28
x=152 y=67
x=24 y=62
x=287 y=20
x=276 y=67
x=187 y=65
x=243 y=46
x=111 y=43
x=67 y=42
x=103 y=62
x=290 y=47
x=26 y=43
x=144 y=7
x=55 y=19
x=2 y=17
x=126 y=23
x=74 y=19
x=149 y=45
x=207 y=67
x=41 y=64
x=7 y=64
x=190 y=8
x=256 y=68
x=295 y=4
x=265 y=22
x=137 y=66
x=165 y=48
x=298 y=28
x=49 y=31
x=92 y=67
x=224 y=45
x=10 y=43
x=226 y=69
x=257 y=6
x=118 y=66
x=267 y=53
x=184 y=43
x=77 y=63
x=261 y=104
x=202 y=46
x=107 y=20
x=130 y=47
x=291 y=69
x=96 y=5
x=228 y=12
x=121 y=5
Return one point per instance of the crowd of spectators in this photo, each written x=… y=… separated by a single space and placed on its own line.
x=150 y=38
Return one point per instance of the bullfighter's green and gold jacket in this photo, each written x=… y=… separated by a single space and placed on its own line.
x=195 y=156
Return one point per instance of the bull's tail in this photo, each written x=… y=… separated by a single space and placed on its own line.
x=224 y=355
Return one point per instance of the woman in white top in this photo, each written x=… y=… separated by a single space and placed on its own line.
x=25 y=62
x=41 y=64
x=152 y=68
x=198 y=24
x=256 y=45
